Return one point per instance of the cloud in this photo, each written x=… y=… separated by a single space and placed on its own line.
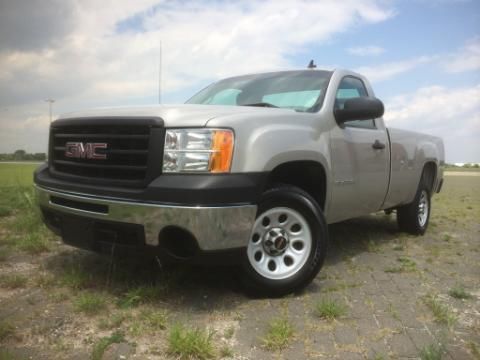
x=467 y=59
x=451 y=113
x=371 y=50
x=387 y=71
x=92 y=53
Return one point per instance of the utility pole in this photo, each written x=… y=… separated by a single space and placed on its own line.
x=160 y=73
x=50 y=103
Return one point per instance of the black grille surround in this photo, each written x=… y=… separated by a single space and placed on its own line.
x=133 y=155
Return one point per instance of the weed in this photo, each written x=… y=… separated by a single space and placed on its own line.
x=5 y=211
x=432 y=352
x=406 y=265
x=329 y=309
x=447 y=237
x=474 y=349
x=6 y=330
x=102 y=345
x=90 y=303
x=280 y=333
x=226 y=352
x=76 y=279
x=112 y=322
x=228 y=334
x=459 y=292
x=140 y=295
x=4 y=253
x=190 y=343
x=7 y=355
x=155 y=319
x=442 y=313
x=33 y=243
x=12 y=281
x=398 y=247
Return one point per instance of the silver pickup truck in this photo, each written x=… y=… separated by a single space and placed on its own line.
x=249 y=171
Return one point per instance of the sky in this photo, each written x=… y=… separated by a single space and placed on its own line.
x=422 y=57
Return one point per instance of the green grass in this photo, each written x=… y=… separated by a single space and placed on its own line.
x=7 y=355
x=6 y=330
x=140 y=295
x=279 y=334
x=12 y=281
x=185 y=343
x=226 y=352
x=16 y=174
x=474 y=349
x=5 y=211
x=76 y=278
x=90 y=303
x=442 y=313
x=432 y=352
x=4 y=253
x=459 y=292
x=154 y=319
x=405 y=265
x=112 y=321
x=102 y=345
x=329 y=309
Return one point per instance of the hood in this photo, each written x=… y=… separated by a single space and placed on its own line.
x=181 y=115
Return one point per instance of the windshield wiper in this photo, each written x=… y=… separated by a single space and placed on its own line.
x=261 y=104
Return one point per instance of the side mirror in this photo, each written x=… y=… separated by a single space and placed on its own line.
x=360 y=108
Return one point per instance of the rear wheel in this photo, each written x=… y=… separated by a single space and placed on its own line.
x=413 y=218
x=288 y=242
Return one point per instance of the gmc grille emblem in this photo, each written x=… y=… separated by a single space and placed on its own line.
x=81 y=150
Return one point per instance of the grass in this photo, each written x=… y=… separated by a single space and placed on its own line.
x=5 y=211
x=16 y=174
x=228 y=334
x=102 y=345
x=474 y=349
x=279 y=334
x=140 y=295
x=154 y=319
x=113 y=321
x=329 y=309
x=226 y=352
x=6 y=330
x=405 y=265
x=90 y=303
x=4 y=253
x=186 y=343
x=13 y=281
x=442 y=313
x=459 y=292
x=76 y=278
x=7 y=355
x=432 y=352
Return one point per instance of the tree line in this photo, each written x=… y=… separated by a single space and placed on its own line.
x=22 y=155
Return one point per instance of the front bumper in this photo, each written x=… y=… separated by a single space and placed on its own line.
x=213 y=227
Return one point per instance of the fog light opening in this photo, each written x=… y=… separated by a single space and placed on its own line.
x=177 y=242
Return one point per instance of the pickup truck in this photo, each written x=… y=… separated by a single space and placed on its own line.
x=249 y=172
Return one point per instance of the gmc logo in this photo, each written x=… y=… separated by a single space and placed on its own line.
x=81 y=150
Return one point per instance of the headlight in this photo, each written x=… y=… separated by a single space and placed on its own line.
x=198 y=150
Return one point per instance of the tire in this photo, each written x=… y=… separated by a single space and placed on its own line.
x=413 y=218
x=288 y=243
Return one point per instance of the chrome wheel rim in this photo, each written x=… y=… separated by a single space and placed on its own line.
x=423 y=208
x=280 y=243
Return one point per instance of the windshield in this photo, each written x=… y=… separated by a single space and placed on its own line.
x=298 y=90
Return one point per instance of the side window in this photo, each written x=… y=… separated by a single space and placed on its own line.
x=351 y=87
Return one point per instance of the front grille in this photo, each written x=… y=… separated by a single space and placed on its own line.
x=124 y=161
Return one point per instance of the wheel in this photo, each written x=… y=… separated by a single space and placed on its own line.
x=413 y=218
x=288 y=243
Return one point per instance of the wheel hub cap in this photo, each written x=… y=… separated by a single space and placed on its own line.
x=275 y=241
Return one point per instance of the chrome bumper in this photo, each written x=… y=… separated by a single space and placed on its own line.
x=215 y=228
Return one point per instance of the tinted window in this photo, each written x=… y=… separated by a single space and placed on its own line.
x=351 y=87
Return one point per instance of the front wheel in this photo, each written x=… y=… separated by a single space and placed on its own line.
x=288 y=242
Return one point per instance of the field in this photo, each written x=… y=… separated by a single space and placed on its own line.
x=382 y=294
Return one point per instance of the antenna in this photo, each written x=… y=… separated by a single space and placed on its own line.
x=311 y=65
x=160 y=73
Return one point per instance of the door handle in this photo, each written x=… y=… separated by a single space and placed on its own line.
x=377 y=145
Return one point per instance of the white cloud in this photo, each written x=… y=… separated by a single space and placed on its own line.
x=371 y=50
x=386 y=71
x=88 y=62
x=453 y=114
x=467 y=59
